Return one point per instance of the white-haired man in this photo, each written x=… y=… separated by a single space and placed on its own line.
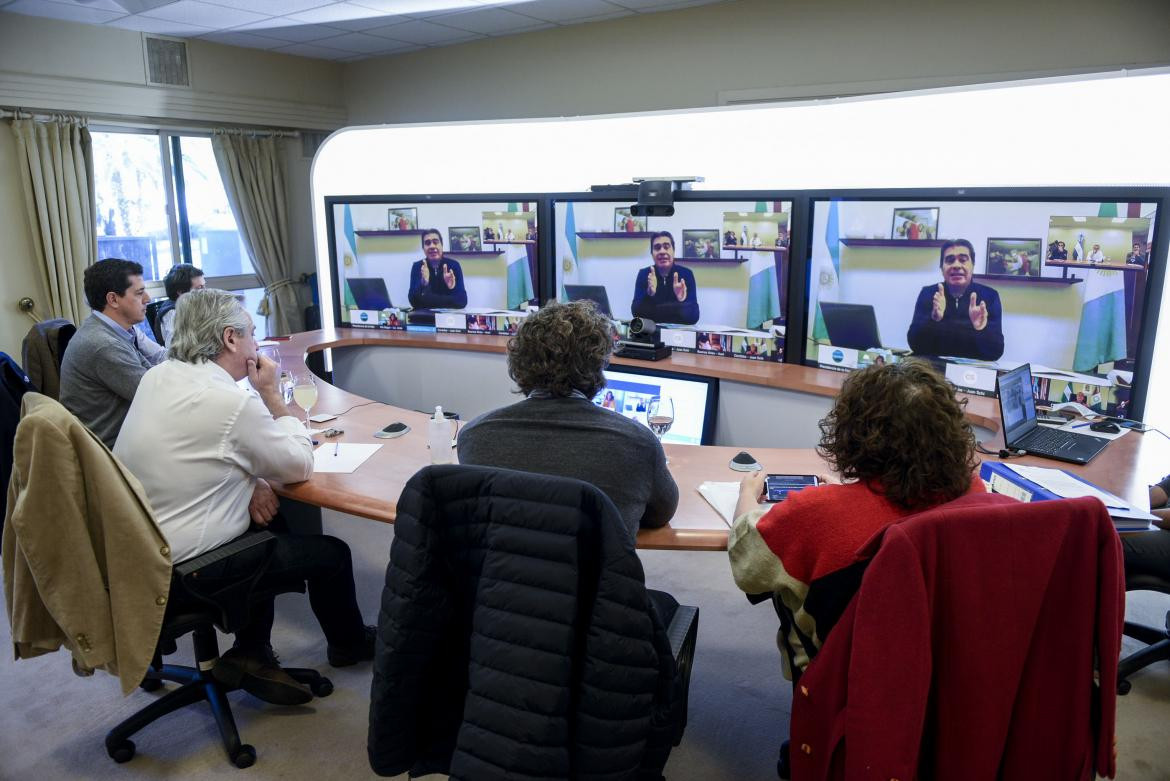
x=203 y=448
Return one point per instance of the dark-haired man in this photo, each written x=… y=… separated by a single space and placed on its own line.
x=108 y=356
x=556 y=359
x=957 y=316
x=436 y=281
x=182 y=278
x=665 y=292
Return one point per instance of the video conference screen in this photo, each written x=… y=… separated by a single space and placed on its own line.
x=713 y=281
x=450 y=266
x=692 y=402
x=981 y=287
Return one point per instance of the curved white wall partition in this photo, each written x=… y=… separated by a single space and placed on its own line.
x=1099 y=131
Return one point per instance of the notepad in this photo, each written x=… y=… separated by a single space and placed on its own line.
x=722 y=496
x=342 y=457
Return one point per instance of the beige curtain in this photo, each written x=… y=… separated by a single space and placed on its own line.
x=254 y=180
x=56 y=168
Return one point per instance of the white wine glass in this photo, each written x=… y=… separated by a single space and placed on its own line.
x=660 y=415
x=305 y=393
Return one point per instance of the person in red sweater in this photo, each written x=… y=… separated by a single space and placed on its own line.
x=898 y=437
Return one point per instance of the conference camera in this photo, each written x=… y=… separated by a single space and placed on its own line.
x=656 y=194
x=642 y=341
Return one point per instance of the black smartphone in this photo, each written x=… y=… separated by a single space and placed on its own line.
x=777 y=487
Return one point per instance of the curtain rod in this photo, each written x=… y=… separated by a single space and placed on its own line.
x=113 y=120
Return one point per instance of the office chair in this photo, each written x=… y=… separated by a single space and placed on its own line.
x=196 y=609
x=85 y=566
x=41 y=352
x=154 y=319
x=516 y=600
x=14 y=383
x=1157 y=640
x=973 y=649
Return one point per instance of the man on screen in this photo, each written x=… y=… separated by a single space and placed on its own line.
x=436 y=281
x=665 y=292
x=957 y=316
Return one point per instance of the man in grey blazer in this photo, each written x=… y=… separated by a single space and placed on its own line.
x=108 y=356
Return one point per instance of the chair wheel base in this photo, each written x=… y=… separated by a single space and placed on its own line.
x=245 y=756
x=322 y=688
x=150 y=684
x=1123 y=687
x=122 y=751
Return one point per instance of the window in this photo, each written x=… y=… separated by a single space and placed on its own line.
x=161 y=201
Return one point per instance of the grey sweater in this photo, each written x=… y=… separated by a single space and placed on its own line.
x=99 y=376
x=570 y=437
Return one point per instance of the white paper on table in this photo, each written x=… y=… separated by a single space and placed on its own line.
x=349 y=456
x=722 y=496
x=1065 y=485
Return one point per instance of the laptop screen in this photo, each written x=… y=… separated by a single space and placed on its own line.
x=1016 y=403
x=594 y=293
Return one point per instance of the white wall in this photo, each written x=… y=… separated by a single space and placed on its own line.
x=761 y=49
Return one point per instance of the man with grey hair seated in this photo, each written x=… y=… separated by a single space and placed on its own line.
x=203 y=449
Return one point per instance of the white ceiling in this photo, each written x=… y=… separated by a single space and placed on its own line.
x=341 y=30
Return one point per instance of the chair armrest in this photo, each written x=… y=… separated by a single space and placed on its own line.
x=237 y=545
x=233 y=598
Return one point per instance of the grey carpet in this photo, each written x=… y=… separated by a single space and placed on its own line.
x=52 y=723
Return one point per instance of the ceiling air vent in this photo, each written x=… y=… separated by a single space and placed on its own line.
x=166 y=61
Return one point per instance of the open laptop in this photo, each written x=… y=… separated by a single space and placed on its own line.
x=594 y=293
x=369 y=293
x=851 y=325
x=1021 y=430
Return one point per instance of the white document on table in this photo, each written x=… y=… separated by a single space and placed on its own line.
x=722 y=496
x=342 y=457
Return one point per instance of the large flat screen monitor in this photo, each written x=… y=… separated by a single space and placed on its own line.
x=452 y=262
x=628 y=391
x=715 y=280
x=983 y=286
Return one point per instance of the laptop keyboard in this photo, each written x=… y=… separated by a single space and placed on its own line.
x=1049 y=439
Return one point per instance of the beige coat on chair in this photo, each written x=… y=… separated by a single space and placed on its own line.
x=85 y=565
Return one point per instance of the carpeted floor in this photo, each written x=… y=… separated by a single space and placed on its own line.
x=52 y=723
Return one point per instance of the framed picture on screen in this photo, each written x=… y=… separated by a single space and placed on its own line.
x=403 y=219
x=464 y=239
x=1014 y=257
x=624 y=222
x=915 y=223
x=701 y=244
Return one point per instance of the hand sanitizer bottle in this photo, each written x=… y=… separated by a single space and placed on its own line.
x=439 y=437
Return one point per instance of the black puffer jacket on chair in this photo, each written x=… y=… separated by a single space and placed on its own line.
x=516 y=639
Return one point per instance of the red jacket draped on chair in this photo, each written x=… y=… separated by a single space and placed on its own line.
x=970 y=650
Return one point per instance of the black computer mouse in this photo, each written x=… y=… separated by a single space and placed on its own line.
x=1104 y=426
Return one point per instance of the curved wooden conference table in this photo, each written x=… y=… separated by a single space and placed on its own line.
x=1126 y=467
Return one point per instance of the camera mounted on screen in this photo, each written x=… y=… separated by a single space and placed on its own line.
x=642 y=342
x=656 y=194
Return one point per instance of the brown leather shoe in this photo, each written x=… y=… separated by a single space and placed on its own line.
x=259 y=674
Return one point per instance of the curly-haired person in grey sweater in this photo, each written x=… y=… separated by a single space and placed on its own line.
x=557 y=358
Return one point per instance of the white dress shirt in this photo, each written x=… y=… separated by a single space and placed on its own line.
x=197 y=442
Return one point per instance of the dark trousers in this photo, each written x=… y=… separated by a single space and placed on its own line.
x=323 y=563
x=1147 y=553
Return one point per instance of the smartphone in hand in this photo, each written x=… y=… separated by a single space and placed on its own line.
x=777 y=487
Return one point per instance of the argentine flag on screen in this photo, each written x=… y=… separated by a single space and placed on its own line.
x=345 y=243
x=826 y=281
x=1101 y=337
x=763 y=287
x=570 y=236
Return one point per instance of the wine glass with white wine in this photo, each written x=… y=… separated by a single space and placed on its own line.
x=305 y=393
x=660 y=415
